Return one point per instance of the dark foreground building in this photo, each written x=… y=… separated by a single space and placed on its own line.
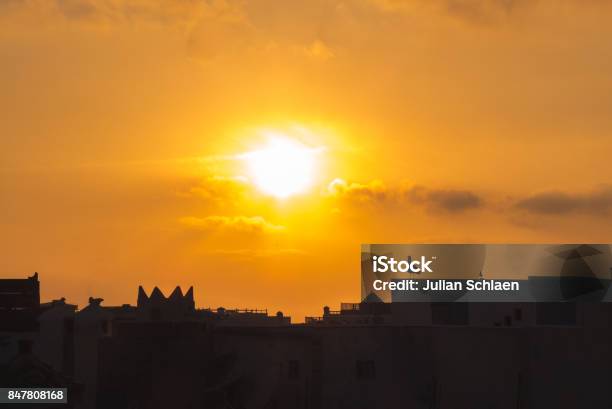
x=29 y=347
x=166 y=353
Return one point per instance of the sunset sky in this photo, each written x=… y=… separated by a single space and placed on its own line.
x=129 y=128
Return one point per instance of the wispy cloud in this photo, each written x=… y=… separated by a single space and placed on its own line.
x=596 y=202
x=471 y=11
x=451 y=200
x=448 y=200
x=374 y=191
x=239 y=224
x=219 y=189
x=258 y=253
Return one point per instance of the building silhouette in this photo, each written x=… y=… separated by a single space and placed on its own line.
x=164 y=352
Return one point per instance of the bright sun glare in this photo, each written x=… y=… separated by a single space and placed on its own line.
x=282 y=168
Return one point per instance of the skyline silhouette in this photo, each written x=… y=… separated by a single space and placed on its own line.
x=165 y=352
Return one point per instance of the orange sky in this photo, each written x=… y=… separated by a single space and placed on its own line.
x=123 y=123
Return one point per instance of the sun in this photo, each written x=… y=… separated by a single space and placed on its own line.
x=282 y=168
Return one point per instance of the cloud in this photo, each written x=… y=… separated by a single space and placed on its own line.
x=209 y=27
x=318 y=50
x=456 y=200
x=448 y=200
x=121 y=10
x=279 y=17
x=212 y=28
x=238 y=224
x=218 y=188
x=78 y=9
x=259 y=253
x=597 y=202
x=480 y=11
x=471 y=11
x=373 y=191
